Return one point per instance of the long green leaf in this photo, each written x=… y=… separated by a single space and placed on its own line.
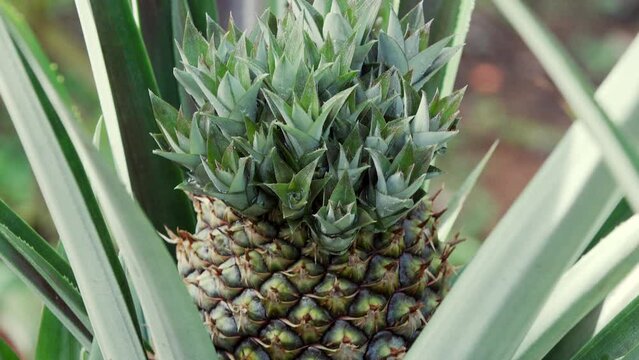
x=54 y=340
x=547 y=228
x=621 y=213
x=452 y=18
x=582 y=288
x=95 y=353
x=40 y=266
x=20 y=28
x=619 y=95
x=456 y=203
x=591 y=325
x=199 y=10
x=176 y=328
x=159 y=38
x=619 y=152
x=28 y=44
x=123 y=76
x=633 y=353
x=619 y=339
x=144 y=328
x=6 y=353
x=56 y=291
x=154 y=17
x=21 y=229
x=102 y=293
x=29 y=47
x=37 y=59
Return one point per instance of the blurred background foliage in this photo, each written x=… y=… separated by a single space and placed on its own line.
x=508 y=98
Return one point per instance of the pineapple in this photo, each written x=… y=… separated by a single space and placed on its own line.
x=308 y=147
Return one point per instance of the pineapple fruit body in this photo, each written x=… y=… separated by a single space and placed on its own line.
x=266 y=292
x=308 y=144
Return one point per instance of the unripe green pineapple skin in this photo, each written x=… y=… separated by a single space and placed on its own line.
x=308 y=144
x=262 y=295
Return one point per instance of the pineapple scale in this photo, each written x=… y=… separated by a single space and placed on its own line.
x=265 y=291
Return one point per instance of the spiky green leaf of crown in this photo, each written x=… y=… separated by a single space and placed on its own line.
x=319 y=117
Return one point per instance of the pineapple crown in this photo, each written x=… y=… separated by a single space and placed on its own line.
x=321 y=117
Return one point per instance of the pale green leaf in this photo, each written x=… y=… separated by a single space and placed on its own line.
x=618 y=340
x=619 y=94
x=547 y=228
x=177 y=330
x=21 y=229
x=94 y=352
x=109 y=314
x=593 y=323
x=620 y=153
x=54 y=339
x=581 y=288
x=28 y=257
x=58 y=293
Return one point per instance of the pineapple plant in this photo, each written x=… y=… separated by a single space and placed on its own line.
x=308 y=156
x=307 y=145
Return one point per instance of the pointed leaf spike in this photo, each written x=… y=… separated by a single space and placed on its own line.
x=343 y=192
x=422 y=118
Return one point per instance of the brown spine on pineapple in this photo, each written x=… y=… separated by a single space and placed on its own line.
x=269 y=294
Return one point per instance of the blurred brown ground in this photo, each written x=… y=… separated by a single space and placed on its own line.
x=510 y=98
